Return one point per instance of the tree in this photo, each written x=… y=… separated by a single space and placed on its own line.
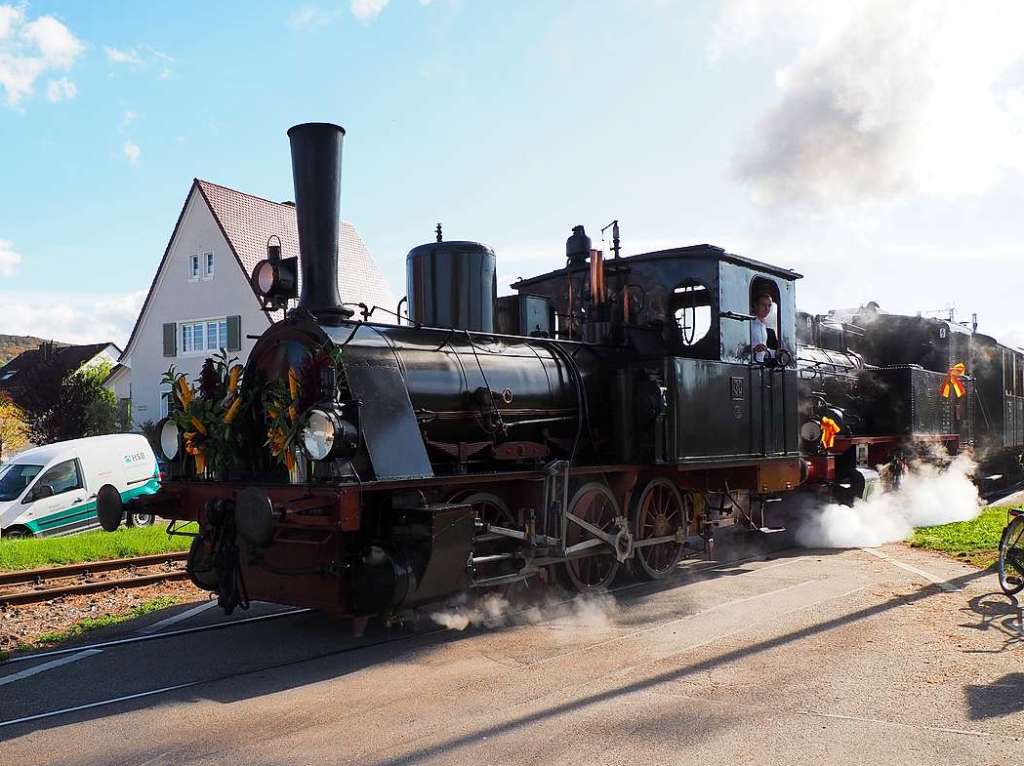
x=13 y=428
x=61 y=405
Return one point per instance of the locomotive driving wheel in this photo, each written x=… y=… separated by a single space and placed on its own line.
x=596 y=506
x=662 y=513
x=489 y=508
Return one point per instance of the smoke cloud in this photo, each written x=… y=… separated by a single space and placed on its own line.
x=884 y=100
x=928 y=495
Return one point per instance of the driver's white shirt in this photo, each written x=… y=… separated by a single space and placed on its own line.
x=759 y=335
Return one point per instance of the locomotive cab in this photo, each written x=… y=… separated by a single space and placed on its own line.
x=691 y=382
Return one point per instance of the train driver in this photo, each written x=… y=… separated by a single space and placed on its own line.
x=763 y=340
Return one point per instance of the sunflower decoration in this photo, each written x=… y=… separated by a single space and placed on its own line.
x=205 y=414
x=287 y=403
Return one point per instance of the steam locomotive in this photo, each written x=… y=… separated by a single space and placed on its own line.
x=607 y=415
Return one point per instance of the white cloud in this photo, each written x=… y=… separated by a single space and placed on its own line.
x=367 y=10
x=118 y=56
x=132 y=152
x=9 y=259
x=71 y=317
x=309 y=17
x=128 y=118
x=61 y=89
x=143 y=57
x=30 y=49
x=883 y=100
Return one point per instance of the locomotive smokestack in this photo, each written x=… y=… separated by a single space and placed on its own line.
x=316 y=169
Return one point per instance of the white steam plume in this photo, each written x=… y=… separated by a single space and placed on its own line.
x=884 y=99
x=593 y=613
x=928 y=495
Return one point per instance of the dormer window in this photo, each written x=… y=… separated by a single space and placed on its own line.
x=193 y=268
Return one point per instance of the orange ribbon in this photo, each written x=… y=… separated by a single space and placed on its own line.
x=952 y=381
x=829 y=429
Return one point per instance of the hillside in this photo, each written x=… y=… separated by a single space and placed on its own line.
x=12 y=345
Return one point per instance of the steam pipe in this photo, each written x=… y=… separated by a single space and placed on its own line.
x=316 y=170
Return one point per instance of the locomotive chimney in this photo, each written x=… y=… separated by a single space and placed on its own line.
x=316 y=170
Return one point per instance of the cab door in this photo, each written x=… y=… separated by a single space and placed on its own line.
x=57 y=502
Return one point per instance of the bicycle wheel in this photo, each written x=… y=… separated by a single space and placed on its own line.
x=1011 y=557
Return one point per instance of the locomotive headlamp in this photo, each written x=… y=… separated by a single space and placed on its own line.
x=328 y=435
x=810 y=431
x=169 y=438
x=275 y=279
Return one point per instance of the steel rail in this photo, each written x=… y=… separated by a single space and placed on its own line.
x=45 y=594
x=88 y=567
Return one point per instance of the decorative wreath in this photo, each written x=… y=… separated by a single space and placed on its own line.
x=205 y=413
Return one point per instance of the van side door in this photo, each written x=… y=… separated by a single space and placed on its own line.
x=58 y=501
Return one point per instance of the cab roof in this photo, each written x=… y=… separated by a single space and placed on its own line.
x=697 y=252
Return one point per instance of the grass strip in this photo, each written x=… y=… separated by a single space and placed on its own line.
x=35 y=552
x=975 y=541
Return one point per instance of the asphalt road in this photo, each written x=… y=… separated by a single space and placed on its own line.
x=893 y=656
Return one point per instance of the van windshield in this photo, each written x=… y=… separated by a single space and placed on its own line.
x=14 y=477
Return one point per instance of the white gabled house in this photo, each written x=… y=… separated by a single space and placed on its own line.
x=201 y=299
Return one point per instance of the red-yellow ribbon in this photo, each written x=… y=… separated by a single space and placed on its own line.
x=952 y=381
x=829 y=429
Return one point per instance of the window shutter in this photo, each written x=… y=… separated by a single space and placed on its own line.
x=170 y=338
x=234 y=333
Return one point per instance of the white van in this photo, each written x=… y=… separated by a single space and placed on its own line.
x=51 y=490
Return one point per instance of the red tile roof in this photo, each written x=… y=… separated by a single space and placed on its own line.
x=249 y=221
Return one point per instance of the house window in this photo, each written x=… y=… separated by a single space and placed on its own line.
x=193 y=268
x=200 y=337
x=208 y=257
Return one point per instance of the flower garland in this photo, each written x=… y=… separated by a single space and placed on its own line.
x=287 y=406
x=205 y=414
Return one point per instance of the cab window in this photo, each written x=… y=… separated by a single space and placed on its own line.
x=14 y=477
x=762 y=286
x=691 y=310
x=63 y=477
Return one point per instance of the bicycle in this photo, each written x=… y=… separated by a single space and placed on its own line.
x=1011 y=553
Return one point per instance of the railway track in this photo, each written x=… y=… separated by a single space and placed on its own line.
x=34 y=585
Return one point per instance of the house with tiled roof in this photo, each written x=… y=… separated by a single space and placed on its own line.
x=201 y=298
x=65 y=358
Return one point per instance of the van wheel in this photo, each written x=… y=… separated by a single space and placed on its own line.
x=141 y=519
x=15 y=533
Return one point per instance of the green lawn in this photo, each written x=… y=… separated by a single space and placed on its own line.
x=974 y=541
x=30 y=553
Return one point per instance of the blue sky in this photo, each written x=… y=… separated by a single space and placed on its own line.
x=874 y=146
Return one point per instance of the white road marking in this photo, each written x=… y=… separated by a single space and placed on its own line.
x=935 y=579
x=155 y=636
x=176 y=618
x=48 y=666
x=113 y=701
x=943 y=729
